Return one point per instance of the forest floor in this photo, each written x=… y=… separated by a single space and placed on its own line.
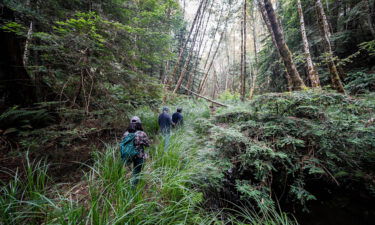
x=204 y=176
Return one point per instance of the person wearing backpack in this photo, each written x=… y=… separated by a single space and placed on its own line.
x=132 y=147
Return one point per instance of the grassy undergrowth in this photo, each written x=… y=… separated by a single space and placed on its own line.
x=169 y=192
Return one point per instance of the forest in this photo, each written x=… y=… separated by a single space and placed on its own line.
x=277 y=96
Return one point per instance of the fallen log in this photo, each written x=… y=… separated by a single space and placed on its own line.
x=200 y=96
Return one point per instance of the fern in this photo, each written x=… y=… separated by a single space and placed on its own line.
x=14 y=119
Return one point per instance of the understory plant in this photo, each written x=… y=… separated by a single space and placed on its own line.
x=290 y=148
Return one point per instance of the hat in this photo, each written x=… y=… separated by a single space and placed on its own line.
x=135 y=119
x=165 y=109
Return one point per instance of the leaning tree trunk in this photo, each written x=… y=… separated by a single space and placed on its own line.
x=269 y=27
x=324 y=27
x=312 y=74
x=187 y=62
x=283 y=48
x=182 y=50
x=213 y=58
x=212 y=61
x=196 y=64
x=212 y=43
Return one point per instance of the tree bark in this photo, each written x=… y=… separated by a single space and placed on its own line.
x=370 y=18
x=192 y=77
x=241 y=62
x=312 y=74
x=187 y=62
x=213 y=59
x=243 y=86
x=283 y=48
x=255 y=70
x=212 y=43
x=200 y=96
x=182 y=50
x=269 y=27
x=326 y=34
x=16 y=87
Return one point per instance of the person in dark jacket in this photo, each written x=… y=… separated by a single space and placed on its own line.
x=165 y=122
x=177 y=117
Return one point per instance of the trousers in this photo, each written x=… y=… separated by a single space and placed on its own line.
x=137 y=169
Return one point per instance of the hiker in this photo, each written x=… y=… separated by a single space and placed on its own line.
x=132 y=147
x=165 y=123
x=177 y=118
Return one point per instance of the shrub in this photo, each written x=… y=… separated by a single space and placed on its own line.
x=284 y=146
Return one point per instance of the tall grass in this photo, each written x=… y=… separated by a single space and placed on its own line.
x=166 y=194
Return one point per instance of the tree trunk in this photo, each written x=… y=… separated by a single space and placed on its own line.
x=312 y=74
x=255 y=67
x=212 y=43
x=241 y=62
x=326 y=34
x=243 y=58
x=269 y=27
x=187 y=62
x=200 y=96
x=196 y=64
x=370 y=18
x=244 y=51
x=213 y=59
x=182 y=50
x=285 y=53
x=16 y=87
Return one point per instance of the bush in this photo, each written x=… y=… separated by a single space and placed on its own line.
x=360 y=82
x=284 y=146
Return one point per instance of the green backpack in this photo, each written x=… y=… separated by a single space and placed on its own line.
x=127 y=148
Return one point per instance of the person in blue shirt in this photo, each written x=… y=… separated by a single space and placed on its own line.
x=178 y=118
x=165 y=123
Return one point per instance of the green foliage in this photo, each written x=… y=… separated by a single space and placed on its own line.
x=360 y=82
x=15 y=120
x=290 y=144
x=22 y=198
x=228 y=96
x=368 y=46
x=351 y=38
x=13 y=27
x=165 y=195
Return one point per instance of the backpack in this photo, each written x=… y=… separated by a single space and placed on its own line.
x=128 y=149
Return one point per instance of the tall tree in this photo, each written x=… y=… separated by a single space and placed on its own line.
x=254 y=72
x=16 y=86
x=200 y=45
x=326 y=34
x=312 y=73
x=201 y=86
x=183 y=48
x=194 y=41
x=281 y=45
x=269 y=27
x=243 y=52
x=370 y=18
